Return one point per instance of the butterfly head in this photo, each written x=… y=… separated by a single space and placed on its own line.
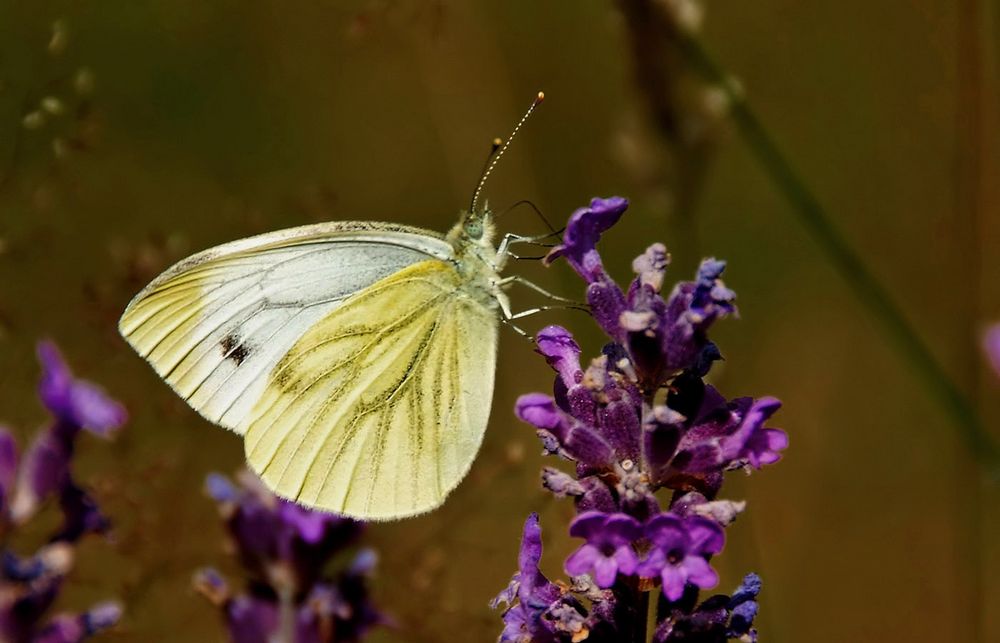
x=474 y=227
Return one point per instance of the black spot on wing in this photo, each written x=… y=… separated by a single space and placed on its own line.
x=234 y=349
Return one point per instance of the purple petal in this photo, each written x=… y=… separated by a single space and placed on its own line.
x=539 y=410
x=535 y=587
x=76 y=402
x=652 y=564
x=561 y=352
x=699 y=572
x=210 y=583
x=8 y=467
x=81 y=514
x=64 y=628
x=251 y=620
x=743 y=443
x=579 y=442
x=220 y=488
x=605 y=572
x=674 y=579
x=706 y=536
x=621 y=529
x=583 y=232
x=309 y=525
x=44 y=470
x=364 y=563
x=588 y=524
x=626 y=559
x=667 y=532
x=582 y=561
x=102 y=616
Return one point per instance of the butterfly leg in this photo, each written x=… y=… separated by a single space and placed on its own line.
x=518 y=279
x=509 y=239
x=517 y=329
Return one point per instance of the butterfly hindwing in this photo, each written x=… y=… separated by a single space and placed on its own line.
x=215 y=325
x=378 y=410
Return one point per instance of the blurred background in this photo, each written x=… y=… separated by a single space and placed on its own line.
x=187 y=124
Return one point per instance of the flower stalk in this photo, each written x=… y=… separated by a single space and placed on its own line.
x=873 y=296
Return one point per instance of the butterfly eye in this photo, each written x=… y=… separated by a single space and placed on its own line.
x=474 y=228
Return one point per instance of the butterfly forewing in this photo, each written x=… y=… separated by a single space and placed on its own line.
x=215 y=325
x=377 y=411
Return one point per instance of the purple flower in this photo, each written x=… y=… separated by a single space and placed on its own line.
x=678 y=556
x=751 y=441
x=991 y=344
x=636 y=419
x=730 y=435
x=72 y=628
x=562 y=353
x=76 y=403
x=583 y=231
x=538 y=611
x=579 y=248
x=570 y=437
x=30 y=584
x=285 y=550
x=608 y=549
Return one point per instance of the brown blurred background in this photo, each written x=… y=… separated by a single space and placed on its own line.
x=213 y=121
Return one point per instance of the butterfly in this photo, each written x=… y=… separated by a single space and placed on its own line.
x=356 y=359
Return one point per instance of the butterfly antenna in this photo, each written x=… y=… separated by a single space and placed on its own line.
x=495 y=158
x=494 y=146
x=534 y=207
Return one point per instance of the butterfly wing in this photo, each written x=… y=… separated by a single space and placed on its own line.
x=216 y=324
x=378 y=410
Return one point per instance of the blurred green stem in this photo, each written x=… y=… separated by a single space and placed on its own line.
x=876 y=299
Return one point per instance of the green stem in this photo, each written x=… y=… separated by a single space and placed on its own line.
x=642 y=616
x=870 y=292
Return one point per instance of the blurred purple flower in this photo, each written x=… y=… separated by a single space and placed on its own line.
x=284 y=550
x=637 y=419
x=78 y=404
x=991 y=344
x=29 y=585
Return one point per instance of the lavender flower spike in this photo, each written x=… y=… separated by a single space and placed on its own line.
x=608 y=550
x=641 y=427
x=30 y=583
x=285 y=550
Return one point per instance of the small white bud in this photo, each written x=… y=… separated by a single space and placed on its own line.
x=33 y=120
x=52 y=105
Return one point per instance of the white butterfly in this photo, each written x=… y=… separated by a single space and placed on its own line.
x=356 y=358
